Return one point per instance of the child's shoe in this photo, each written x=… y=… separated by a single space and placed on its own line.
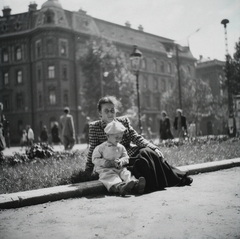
x=125 y=188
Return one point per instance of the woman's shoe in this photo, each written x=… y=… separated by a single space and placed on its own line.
x=139 y=186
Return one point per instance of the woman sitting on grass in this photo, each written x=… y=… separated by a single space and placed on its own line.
x=146 y=159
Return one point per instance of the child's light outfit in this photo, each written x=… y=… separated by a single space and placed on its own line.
x=111 y=176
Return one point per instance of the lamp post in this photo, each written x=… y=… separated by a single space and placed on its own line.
x=231 y=121
x=135 y=58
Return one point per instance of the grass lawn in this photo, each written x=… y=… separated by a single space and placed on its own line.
x=68 y=167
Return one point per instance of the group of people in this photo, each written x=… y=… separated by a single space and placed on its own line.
x=179 y=124
x=125 y=161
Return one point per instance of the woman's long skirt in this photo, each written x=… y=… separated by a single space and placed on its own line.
x=158 y=174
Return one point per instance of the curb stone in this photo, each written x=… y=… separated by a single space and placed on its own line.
x=33 y=197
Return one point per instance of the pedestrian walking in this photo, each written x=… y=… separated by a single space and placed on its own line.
x=67 y=129
x=192 y=130
x=44 y=135
x=30 y=136
x=180 y=124
x=165 y=127
x=23 y=140
x=86 y=130
x=55 y=134
x=2 y=139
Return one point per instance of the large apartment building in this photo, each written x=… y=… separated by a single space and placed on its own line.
x=39 y=73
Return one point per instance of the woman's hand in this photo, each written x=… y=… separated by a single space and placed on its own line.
x=160 y=154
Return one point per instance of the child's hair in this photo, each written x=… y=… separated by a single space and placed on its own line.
x=109 y=99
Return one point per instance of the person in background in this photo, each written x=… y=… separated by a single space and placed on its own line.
x=165 y=127
x=192 y=130
x=44 y=134
x=86 y=130
x=30 y=136
x=180 y=124
x=67 y=129
x=23 y=140
x=55 y=134
x=110 y=159
x=3 y=121
x=2 y=139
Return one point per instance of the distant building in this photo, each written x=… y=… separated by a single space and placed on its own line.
x=39 y=74
x=212 y=71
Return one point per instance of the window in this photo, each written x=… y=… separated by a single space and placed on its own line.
x=163 y=85
x=64 y=72
x=155 y=83
x=18 y=53
x=6 y=78
x=52 y=97
x=169 y=68
x=19 y=77
x=145 y=83
x=63 y=48
x=5 y=56
x=6 y=102
x=157 y=101
x=65 y=98
x=143 y=63
x=19 y=101
x=154 y=65
x=51 y=72
x=38 y=49
x=39 y=100
x=49 y=16
x=39 y=74
x=162 y=66
x=50 y=47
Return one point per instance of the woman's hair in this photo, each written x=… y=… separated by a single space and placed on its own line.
x=109 y=99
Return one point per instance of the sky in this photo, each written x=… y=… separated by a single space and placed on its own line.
x=193 y=22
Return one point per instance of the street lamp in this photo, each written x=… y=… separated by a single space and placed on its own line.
x=135 y=58
x=169 y=54
x=231 y=121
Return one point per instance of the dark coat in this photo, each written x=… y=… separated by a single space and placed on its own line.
x=183 y=123
x=165 y=129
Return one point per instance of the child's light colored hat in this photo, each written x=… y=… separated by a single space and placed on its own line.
x=114 y=127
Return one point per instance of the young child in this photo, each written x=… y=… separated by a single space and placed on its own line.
x=109 y=159
x=23 y=141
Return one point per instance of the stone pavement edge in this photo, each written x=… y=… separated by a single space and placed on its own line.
x=33 y=197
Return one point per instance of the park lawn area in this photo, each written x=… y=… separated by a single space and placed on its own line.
x=68 y=167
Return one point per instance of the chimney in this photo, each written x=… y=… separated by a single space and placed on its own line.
x=6 y=11
x=32 y=7
x=127 y=24
x=140 y=28
x=200 y=57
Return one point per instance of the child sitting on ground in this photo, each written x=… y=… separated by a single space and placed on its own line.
x=109 y=159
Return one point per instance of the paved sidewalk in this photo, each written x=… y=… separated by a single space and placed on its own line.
x=28 y=198
x=208 y=209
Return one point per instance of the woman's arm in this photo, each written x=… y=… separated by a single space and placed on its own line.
x=93 y=142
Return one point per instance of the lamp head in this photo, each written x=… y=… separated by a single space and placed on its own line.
x=136 y=57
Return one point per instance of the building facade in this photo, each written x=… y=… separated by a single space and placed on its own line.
x=212 y=71
x=39 y=73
